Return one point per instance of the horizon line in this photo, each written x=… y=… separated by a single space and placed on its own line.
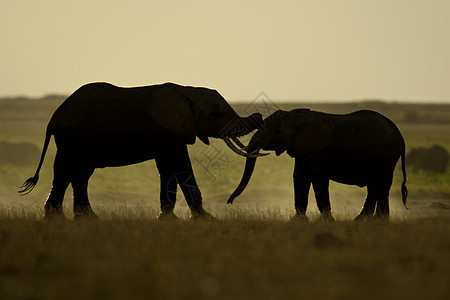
x=285 y=100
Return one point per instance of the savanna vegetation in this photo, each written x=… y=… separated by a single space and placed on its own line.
x=251 y=251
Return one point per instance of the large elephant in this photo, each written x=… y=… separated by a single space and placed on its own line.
x=360 y=148
x=101 y=125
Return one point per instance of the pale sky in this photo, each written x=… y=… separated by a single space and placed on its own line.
x=292 y=50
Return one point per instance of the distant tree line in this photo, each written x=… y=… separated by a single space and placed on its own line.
x=397 y=111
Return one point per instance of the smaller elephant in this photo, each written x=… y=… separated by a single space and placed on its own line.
x=360 y=148
x=434 y=159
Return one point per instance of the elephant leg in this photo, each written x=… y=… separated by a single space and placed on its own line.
x=168 y=191
x=61 y=180
x=377 y=197
x=369 y=206
x=188 y=184
x=175 y=167
x=382 y=210
x=302 y=184
x=192 y=194
x=321 y=191
x=81 y=206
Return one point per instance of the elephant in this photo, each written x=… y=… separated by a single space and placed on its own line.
x=101 y=125
x=434 y=159
x=359 y=148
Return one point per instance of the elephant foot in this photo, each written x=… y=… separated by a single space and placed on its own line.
x=326 y=217
x=52 y=213
x=382 y=216
x=84 y=213
x=166 y=215
x=363 y=217
x=204 y=216
x=198 y=213
x=299 y=218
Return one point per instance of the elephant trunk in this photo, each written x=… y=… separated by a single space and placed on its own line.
x=254 y=121
x=250 y=162
x=255 y=143
x=241 y=127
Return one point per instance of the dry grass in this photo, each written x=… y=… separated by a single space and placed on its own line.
x=132 y=256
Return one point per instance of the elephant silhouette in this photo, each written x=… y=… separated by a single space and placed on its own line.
x=102 y=125
x=360 y=148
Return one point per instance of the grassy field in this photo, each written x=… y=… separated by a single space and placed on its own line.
x=252 y=251
x=238 y=258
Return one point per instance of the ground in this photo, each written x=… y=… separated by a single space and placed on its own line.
x=240 y=258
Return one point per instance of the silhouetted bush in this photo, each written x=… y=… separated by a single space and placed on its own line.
x=434 y=159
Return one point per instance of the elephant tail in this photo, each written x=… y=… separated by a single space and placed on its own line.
x=30 y=183
x=404 y=189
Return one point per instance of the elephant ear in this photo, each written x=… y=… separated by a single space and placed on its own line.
x=314 y=133
x=174 y=113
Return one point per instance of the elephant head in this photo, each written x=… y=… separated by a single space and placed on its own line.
x=214 y=117
x=298 y=132
x=203 y=113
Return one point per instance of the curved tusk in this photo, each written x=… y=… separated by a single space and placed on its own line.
x=240 y=152
x=234 y=148
x=238 y=142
